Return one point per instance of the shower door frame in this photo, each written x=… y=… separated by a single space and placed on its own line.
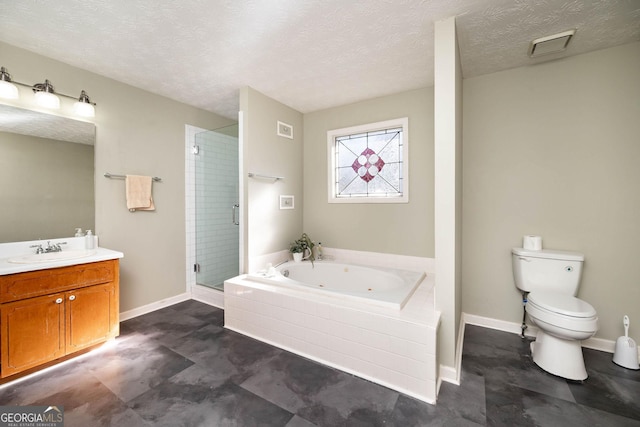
x=197 y=292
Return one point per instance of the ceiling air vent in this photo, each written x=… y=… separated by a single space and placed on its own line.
x=550 y=44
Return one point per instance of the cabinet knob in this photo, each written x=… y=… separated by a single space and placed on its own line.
x=72 y=297
x=58 y=300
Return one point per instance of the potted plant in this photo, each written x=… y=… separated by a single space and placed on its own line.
x=299 y=246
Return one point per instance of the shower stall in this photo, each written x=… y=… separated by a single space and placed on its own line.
x=217 y=221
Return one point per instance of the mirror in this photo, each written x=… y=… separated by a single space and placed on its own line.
x=46 y=175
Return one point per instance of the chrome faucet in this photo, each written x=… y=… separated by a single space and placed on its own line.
x=50 y=248
x=280 y=263
x=319 y=252
x=39 y=249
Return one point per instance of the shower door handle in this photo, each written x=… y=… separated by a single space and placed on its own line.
x=233 y=214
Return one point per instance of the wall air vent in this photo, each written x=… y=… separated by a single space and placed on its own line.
x=550 y=44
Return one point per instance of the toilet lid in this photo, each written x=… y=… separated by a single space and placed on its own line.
x=561 y=304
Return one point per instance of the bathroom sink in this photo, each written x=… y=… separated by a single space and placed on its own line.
x=51 y=256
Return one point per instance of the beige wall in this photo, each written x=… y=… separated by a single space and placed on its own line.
x=269 y=228
x=397 y=228
x=554 y=149
x=136 y=133
x=46 y=187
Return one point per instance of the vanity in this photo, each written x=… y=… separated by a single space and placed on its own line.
x=54 y=306
x=57 y=299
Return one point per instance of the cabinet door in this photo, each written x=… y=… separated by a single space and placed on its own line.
x=91 y=316
x=32 y=332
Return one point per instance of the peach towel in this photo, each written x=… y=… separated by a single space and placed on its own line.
x=138 y=191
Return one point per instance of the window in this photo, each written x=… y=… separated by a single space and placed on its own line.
x=369 y=163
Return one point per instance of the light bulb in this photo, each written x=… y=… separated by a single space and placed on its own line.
x=84 y=109
x=8 y=90
x=47 y=100
x=45 y=95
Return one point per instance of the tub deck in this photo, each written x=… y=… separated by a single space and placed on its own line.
x=363 y=284
x=394 y=348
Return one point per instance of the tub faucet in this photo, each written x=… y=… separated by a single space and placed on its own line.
x=280 y=263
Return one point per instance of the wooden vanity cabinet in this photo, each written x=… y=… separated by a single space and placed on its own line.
x=50 y=314
x=32 y=333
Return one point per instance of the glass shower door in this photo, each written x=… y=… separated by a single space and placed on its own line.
x=217 y=221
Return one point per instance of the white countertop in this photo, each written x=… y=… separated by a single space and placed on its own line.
x=17 y=249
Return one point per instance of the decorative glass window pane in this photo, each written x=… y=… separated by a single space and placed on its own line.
x=368 y=163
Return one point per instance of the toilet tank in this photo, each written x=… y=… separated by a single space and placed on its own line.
x=547 y=270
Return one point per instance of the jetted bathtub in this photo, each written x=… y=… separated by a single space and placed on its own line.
x=382 y=287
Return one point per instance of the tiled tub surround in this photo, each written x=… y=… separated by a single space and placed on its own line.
x=392 y=347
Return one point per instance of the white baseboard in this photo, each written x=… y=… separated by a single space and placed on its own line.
x=449 y=374
x=208 y=296
x=459 y=347
x=199 y=293
x=600 y=344
x=139 y=311
x=499 y=325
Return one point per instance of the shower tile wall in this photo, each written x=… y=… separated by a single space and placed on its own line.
x=216 y=189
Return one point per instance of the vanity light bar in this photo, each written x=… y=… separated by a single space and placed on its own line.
x=45 y=94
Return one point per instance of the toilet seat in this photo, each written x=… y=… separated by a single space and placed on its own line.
x=566 y=305
x=562 y=312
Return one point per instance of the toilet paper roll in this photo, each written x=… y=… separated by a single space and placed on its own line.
x=532 y=243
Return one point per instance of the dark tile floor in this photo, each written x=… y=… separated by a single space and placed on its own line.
x=180 y=367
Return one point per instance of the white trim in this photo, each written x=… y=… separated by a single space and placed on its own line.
x=208 y=296
x=148 y=308
x=448 y=374
x=402 y=122
x=200 y=293
x=459 y=348
x=241 y=195
x=499 y=325
x=190 y=205
x=452 y=374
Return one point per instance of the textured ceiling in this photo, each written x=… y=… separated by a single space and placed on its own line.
x=308 y=54
x=27 y=122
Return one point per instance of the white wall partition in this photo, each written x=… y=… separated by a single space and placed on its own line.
x=448 y=193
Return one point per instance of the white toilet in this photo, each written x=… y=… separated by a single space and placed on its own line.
x=552 y=279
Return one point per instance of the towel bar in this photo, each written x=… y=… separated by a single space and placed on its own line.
x=114 y=176
x=257 y=175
